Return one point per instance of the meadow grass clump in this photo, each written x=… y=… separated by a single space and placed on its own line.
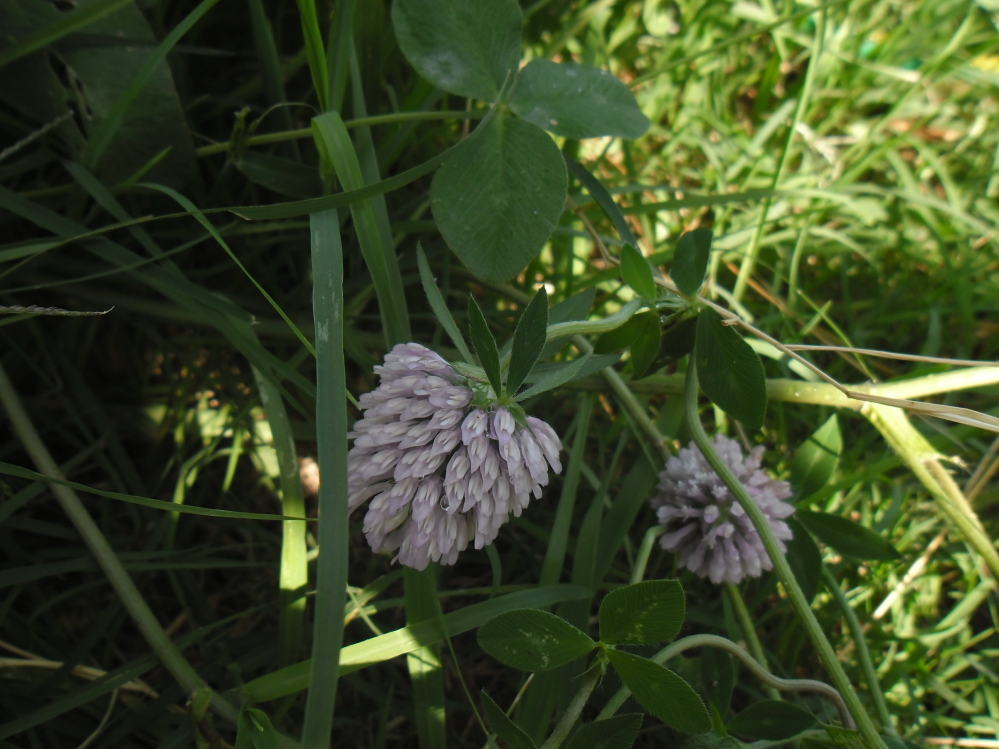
x=599 y=231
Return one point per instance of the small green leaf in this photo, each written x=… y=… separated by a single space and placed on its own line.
x=805 y=559
x=618 y=339
x=555 y=375
x=439 y=306
x=618 y=732
x=601 y=195
x=730 y=372
x=576 y=101
x=528 y=340
x=485 y=345
x=464 y=48
x=846 y=738
x=816 y=458
x=847 y=537
x=576 y=307
x=717 y=677
x=661 y=692
x=677 y=340
x=771 y=720
x=637 y=272
x=533 y=640
x=498 y=196
x=645 y=345
x=283 y=176
x=691 y=260
x=647 y=612
x=503 y=726
x=254 y=730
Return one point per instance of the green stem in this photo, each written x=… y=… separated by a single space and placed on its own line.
x=798 y=601
x=160 y=643
x=644 y=551
x=306 y=132
x=923 y=460
x=863 y=653
x=748 y=630
x=759 y=671
x=749 y=259
x=635 y=409
x=594 y=327
x=573 y=710
x=824 y=394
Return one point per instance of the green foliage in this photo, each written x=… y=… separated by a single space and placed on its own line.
x=463 y=48
x=662 y=692
x=816 y=458
x=717 y=678
x=730 y=372
x=528 y=340
x=805 y=558
x=576 y=101
x=846 y=536
x=647 y=613
x=207 y=170
x=503 y=726
x=772 y=720
x=439 y=306
x=485 y=345
x=618 y=732
x=636 y=272
x=691 y=260
x=498 y=196
x=533 y=640
x=254 y=731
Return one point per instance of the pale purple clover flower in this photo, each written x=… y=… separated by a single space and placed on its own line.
x=440 y=469
x=705 y=526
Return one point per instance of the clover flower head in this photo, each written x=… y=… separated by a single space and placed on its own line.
x=438 y=468
x=705 y=526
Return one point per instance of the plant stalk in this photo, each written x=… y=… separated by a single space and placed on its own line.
x=573 y=710
x=798 y=601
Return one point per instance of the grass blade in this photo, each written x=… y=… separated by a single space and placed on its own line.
x=373 y=235
x=294 y=569
x=331 y=439
x=8 y=469
x=439 y=307
x=551 y=569
x=390 y=645
x=424 y=664
x=101 y=137
x=315 y=52
x=66 y=24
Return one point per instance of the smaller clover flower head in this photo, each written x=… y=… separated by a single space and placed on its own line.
x=437 y=470
x=705 y=526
